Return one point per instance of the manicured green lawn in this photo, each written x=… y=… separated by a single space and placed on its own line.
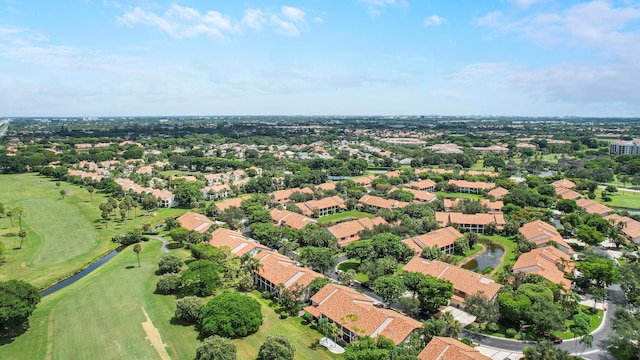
x=301 y=336
x=63 y=235
x=626 y=199
x=353 y=264
x=594 y=322
x=476 y=248
x=447 y=195
x=101 y=316
x=352 y=214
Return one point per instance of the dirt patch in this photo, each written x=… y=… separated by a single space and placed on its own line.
x=153 y=335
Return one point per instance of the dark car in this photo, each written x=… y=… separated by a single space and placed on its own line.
x=556 y=341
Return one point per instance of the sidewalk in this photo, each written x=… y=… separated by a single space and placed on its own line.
x=498 y=354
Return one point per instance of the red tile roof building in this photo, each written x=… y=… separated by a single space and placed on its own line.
x=471 y=187
x=347 y=232
x=478 y=223
x=322 y=207
x=375 y=203
x=279 y=270
x=465 y=282
x=356 y=315
x=237 y=244
x=547 y=262
x=443 y=239
x=541 y=233
x=290 y=219
x=446 y=348
x=195 y=221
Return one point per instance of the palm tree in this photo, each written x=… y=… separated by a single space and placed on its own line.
x=137 y=249
x=19 y=210
x=90 y=189
x=10 y=216
x=250 y=264
x=22 y=234
x=586 y=341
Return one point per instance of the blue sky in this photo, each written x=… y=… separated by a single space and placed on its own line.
x=319 y=57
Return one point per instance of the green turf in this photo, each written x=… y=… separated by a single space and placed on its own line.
x=100 y=316
x=594 y=322
x=353 y=264
x=474 y=250
x=63 y=235
x=353 y=214
x=622 y=199
x=301 y=336
x=447 y=195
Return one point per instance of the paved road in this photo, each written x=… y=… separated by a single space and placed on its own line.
x=599 y=350
x=165 y=242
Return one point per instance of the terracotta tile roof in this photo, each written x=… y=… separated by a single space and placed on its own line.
x=279 y=269
x=481 y=185
x=357 y=313
x=498 y=192
x=376 y=201
x=422 y=184
x=631 y=227
x=568 y=184
x=290 y=219
x=326 y=186
x=347 y=232
x=464 y=281
x=195 y=221
x=308 y=207
x=447 y=218
x=567 y=193
x=440 y=238
x=283 y=195
x=225 y=204
x=546 y=262
x=540 y=233
x=365 y=181
x=238 y=244
x=593 y=207
x=421 y=196
x=445 y=348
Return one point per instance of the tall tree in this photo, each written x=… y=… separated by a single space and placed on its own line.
x=276 y=347
x=216 y=348
x=389 y=288
x=90 y=189
x=137 y=249
x=22 y=234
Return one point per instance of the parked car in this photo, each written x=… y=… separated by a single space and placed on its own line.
x=556 y=341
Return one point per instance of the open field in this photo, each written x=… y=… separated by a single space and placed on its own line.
x=627 y=199
x=347 y=215
x=63 y=235
x=447 y=195
x=101 y=316
x=301 y=336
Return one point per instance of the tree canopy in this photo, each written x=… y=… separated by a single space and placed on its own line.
x=18 y=299
x=231 y=315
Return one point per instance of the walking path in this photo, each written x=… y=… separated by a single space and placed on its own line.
x=165 y=242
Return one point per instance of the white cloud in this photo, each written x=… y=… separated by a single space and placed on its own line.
x=524 y=4
x=254 y=19
x=434 y=20
x=318 y=20
x=605 y=32
x=375 y=7
x=179 y=21
x=294 y=14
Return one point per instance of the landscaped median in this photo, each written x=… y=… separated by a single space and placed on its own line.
x=501 y=331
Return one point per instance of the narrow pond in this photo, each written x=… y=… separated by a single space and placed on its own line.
x=490 y=258
x=70 y=280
